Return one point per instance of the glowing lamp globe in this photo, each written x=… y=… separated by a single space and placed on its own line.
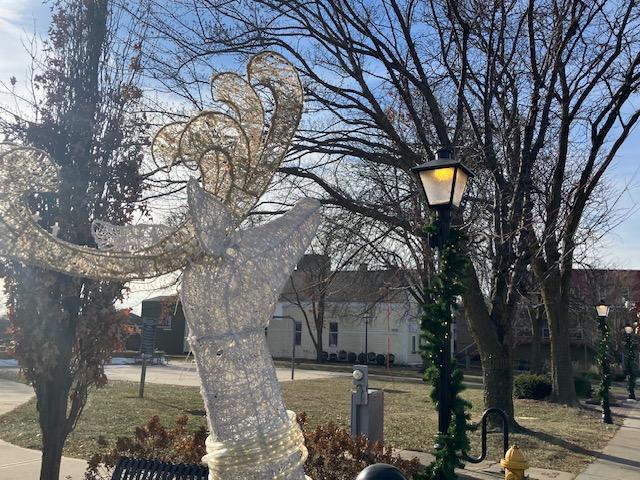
x=628 y=329
x=443 y=180
x=602 y=309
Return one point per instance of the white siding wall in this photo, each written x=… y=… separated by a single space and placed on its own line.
x=391 y=328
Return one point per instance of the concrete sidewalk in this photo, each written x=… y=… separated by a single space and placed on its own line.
x=184 y=373
x=17 y=463
x=619 y=460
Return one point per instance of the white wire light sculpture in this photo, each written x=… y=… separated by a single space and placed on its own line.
x=232 y=276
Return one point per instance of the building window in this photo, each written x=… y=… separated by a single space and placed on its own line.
x=333 y=334
x=298 y=333
x=413 y=344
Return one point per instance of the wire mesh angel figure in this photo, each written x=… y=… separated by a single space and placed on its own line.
x=231 y=276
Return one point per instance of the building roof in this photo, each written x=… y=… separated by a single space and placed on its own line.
x=608 y=285
x=361 y=286
x=162 y=298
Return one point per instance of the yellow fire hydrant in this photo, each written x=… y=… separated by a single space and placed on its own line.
x=514 y=464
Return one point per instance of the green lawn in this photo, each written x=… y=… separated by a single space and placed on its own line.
x=558 y=437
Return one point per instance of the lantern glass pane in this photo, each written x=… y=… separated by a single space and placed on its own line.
x=603 y=310
x=460 y=186
x=628 y=329
x=437 y=184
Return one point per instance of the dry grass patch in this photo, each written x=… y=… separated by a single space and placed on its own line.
x=556 y=437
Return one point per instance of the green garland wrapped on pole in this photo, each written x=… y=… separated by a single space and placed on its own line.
x=603 y=363
x=441 y=297
x=630 y=362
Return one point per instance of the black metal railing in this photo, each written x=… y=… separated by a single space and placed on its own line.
x=483 y=423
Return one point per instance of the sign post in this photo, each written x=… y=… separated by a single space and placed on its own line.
x=147 y=348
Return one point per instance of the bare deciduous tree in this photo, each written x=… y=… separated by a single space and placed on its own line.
x=517 y=88
x=65 y=328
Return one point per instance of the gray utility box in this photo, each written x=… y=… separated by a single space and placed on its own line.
x=367 y=407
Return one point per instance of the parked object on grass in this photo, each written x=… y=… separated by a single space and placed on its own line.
x=367 y=407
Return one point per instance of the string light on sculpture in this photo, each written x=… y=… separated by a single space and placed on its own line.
x=252 y=435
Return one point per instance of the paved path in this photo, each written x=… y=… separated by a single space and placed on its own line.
x=17 y=463
x=184 y=373
x=619 y=460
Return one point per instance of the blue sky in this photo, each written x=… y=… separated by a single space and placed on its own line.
x=20 y=19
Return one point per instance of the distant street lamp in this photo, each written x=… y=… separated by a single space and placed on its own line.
x=630 y=361
x=603 y=361
x=444 y=181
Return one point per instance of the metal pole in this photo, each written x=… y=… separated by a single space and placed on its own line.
x=605 y=368
x=444 y=394
x=366 y=340
x=143 y=374
x=630 y=360
x=293 y=350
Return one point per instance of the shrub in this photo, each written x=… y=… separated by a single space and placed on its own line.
x=618 y=377
x=591 y=376
x=155 y=441
x=362 y=359
x=583 y=387
x=351 y=357
x=380 y=359
x=534 y=387
x=333 y=454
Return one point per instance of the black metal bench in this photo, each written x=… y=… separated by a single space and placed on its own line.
x=140 y=469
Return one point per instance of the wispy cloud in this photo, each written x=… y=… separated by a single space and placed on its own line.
x=20 y=22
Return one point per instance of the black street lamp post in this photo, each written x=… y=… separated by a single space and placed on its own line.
x=630 y=361
x=603 y=361
x=444 y=181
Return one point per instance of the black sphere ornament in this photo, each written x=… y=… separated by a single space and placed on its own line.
x=381 y=471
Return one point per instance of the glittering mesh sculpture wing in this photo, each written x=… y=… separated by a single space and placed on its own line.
x=24 y=170
x=232 y=277
x=235 y=161
x=129 y=238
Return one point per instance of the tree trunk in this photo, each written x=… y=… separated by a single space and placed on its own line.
x=319 y=343
x=57 y=305
x=557 y=313
x=52 y=413
x=538 y=320
x=497 y=375
x=494 y=341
